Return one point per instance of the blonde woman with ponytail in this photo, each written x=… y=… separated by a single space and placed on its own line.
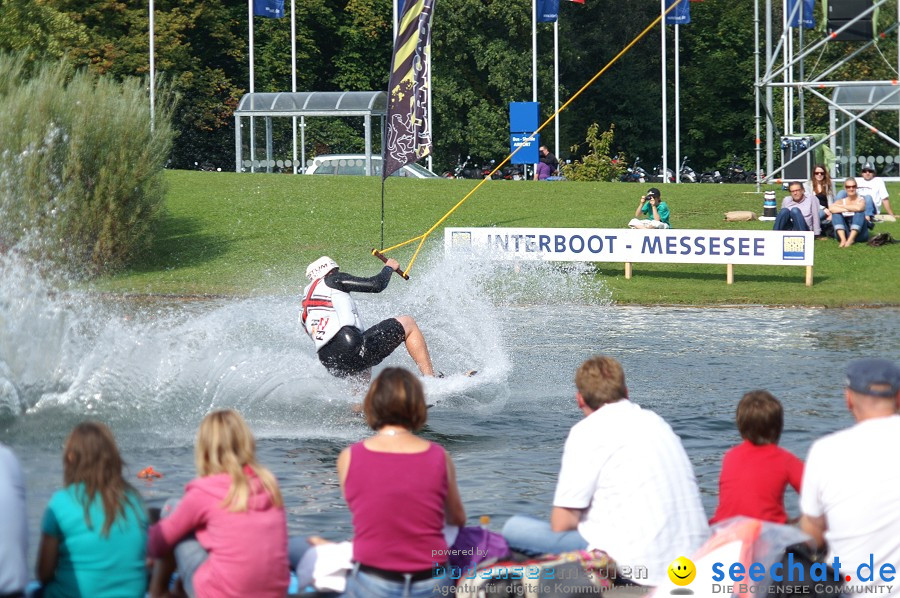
x=228 y=533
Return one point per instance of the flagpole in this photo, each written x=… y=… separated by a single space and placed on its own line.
x=677 y=107
x=533 y=60
x=152 y=72
x=430 y=105
x=252 y=123
x=534 y=50
x=294 y=77
x=665 y=116
x=556 y=83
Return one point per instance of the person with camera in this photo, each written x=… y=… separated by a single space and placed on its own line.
x=652 y=212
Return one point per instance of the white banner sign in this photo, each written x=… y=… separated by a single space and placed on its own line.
x=761 y=247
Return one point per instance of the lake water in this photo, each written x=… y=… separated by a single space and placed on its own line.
x=153 y=369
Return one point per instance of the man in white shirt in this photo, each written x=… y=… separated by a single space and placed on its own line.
x=13 y=531
x=851 y=483
x=626 y=485
x=875 y=188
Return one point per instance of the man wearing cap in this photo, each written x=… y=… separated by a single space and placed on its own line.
x=874 y=187
x=331 y=320
x=651 y=212
x=851 y=485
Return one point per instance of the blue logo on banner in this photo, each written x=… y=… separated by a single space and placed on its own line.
x=793 y=248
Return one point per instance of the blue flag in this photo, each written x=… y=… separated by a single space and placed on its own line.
x=804 y=16
x=680 y=15
x=547 y=11
x=273 y=9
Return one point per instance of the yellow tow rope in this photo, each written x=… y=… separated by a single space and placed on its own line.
x=421 y=238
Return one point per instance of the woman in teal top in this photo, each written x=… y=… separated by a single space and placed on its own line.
x=94 y=531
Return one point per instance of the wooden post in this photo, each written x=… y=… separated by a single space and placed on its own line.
x=809 y=276
x=729 y=275
x=627 y=270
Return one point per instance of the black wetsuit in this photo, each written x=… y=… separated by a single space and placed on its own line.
x=351 y=350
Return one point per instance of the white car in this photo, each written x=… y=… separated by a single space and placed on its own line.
x=356 y=164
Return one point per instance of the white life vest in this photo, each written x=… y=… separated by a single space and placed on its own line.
x=325 y=311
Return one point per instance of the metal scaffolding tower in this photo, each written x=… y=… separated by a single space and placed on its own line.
x=848 y=100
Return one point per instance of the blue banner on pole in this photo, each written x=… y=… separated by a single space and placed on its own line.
x=273 y=9
x=804 y=16
x=547 y=11
x=680 y=15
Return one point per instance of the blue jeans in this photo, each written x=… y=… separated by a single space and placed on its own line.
x=790 y=220
x=533 y=537
x=857 y=223
x=189 y=554
x=366 y=585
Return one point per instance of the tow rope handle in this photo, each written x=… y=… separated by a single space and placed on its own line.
x=384 y=259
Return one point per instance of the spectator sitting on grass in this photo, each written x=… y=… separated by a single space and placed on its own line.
x=652 y=212
x=853 y=208
x=756 y=472
x=541 y=171
x=799 y=211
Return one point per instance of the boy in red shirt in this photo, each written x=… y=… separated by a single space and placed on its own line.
x=756 y=472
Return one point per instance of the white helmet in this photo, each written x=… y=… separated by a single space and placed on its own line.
x=320 y=268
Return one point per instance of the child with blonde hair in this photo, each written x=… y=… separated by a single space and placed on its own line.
x=94 y=531
x=228 y=533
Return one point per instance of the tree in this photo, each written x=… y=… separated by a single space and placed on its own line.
x=598 y=163
x=37 y=31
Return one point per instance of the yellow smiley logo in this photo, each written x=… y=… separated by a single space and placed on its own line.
x=682 y=571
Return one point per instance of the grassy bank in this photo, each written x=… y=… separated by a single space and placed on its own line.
x=240 y=234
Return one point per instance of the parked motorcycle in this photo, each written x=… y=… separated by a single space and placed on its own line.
x=686 y=173
x=513 y=172
x=488 y=169
x=634 y=173
x=457 y=172
x=658 y=176
x=711 y=177
x=735 y=172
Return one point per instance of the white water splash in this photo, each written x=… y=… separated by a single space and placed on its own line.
x=152 y=361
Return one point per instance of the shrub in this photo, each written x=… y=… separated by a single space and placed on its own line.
x=597 y=164
x=81 y=174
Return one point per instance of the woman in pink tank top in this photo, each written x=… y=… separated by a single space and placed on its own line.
x=401 y=489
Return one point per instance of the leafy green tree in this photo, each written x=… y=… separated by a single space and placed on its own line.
x=479 y=66
x=597 y=164
x=36 y=30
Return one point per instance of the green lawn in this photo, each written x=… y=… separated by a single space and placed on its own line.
x=242 y=234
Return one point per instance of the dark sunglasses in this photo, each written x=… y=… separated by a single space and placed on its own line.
x=818 y=172
x=849 y=186
x=865 y=171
